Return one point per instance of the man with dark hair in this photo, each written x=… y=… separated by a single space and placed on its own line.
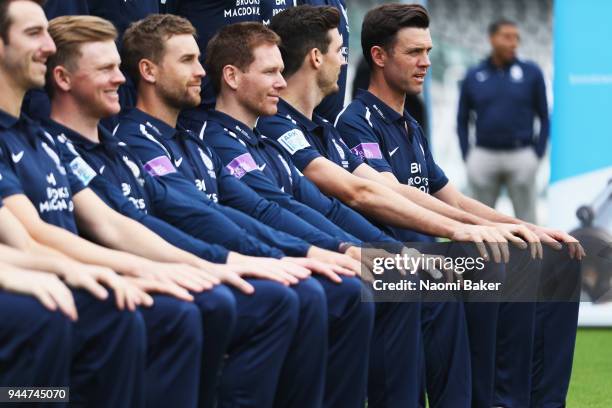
x=237 y=47
x=505 y=94
x=396 y=43
x=169 y=81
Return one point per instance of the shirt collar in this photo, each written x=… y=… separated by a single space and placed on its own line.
x=234 y=127
x=7 y=120
x=23 y=125
x=488 y=62
x=107 y=140
x=288 y=111
x=388 y=114
x=161 y=128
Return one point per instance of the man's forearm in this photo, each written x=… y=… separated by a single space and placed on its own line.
x=432 y=203
x=483 y=211
x=393 y=209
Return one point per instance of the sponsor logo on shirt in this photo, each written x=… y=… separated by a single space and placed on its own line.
x=242 y=165
x=293 y=141
x=159 y=166
x=82 y=170
x=17 y=157
x=368 y=151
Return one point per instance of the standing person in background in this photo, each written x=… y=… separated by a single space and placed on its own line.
x=505 y=94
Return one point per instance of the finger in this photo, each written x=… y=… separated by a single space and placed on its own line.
x=235 y=280
x=341 y=270
x=63 y=298
x=46 y=299
x=520 y=243
x=120 y=297
x=505 y=251
x=495 y=252
x=331 y=275
x=270 y=275
x=190 y=283
x=482 y=249
x=170 y=289
x=97 y=290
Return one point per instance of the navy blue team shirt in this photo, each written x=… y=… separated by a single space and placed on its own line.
x=505 y=101
x=123 y=184
x=265 y=166
x=192 y=171
x=391 y=142
x=32 y=166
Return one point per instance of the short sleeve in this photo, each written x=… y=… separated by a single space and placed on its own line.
x=359 y=135
x=9 y=183
x=291 y=138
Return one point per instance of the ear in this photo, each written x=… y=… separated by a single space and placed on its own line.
x=148 y=70
x=231 y=76
x=379 y=56
x=62 y=78
x=315 y=58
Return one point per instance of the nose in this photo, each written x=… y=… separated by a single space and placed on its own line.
x=48 y=46
x=118 y=77
x=425 y=61
x=200 y=72
x=280 y=82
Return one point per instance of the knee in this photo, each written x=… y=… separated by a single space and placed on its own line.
x=311 y=296
x=189 y=324
x=278 y=301
x=217 y=304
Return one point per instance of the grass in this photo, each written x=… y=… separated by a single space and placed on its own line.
x=591 y=384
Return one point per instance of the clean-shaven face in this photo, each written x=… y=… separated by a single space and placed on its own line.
x=29 y=45
x=96 y=78
x=333 y=61
x=408 y=60
x=259 y=86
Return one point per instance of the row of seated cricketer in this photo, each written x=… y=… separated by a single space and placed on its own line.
x=213 y=259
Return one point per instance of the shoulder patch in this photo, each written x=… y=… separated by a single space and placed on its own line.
x=159 y=166
x=367 y=151
x=242 y=165
x=293 y=141
x=82 y=170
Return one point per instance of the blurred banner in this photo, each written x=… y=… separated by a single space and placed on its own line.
x=580 y=196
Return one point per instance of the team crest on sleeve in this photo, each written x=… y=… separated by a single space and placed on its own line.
x=242 y=165
x=368 y=151
x=293 y=141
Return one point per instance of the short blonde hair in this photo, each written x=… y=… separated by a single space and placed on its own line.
x=69 y=33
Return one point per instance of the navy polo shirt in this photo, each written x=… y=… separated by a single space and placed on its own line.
x=265 y=166
x=33 y=166
x=306 y=139
x=123 y=12
x=391 y=142
x=126 y=187
x=57 y=8
x=164 y=158
x=505 y=101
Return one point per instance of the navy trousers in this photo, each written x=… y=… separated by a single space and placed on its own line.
x=329 y=351
x=35 y=343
